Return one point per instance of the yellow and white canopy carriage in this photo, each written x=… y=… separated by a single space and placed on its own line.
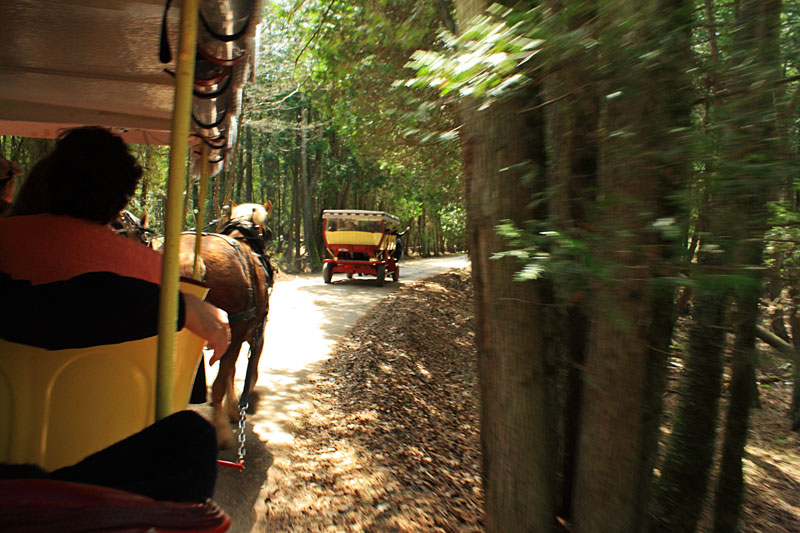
x=360 y=242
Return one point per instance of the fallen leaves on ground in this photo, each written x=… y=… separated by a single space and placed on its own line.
x=391 y=442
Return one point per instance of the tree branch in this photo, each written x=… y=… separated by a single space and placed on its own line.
x=316 y=32
x=776 y=342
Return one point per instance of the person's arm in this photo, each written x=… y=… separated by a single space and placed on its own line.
x=209 y=322
x=97 y=308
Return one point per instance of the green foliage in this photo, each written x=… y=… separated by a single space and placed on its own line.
x=544 y=251
x=481 y=62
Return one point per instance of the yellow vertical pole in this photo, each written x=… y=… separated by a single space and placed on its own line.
x=201 y=208
x=179 y=143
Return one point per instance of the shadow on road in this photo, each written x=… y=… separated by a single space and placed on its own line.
x=307 y=318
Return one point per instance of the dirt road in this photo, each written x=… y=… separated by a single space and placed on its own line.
x=306 y=318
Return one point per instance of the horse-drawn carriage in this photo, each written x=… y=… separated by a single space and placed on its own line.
x=360 y=242
x=117 y=71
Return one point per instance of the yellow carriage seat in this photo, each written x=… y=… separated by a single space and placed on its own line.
x=366 y=238
x=59 y=406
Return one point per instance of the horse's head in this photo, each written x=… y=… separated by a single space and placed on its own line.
x=132 y=227
x=252 y=214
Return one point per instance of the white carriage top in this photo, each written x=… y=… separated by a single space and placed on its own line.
x=361 y=215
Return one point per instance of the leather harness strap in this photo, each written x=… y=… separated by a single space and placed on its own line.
x=249 y=311
x=255 y=243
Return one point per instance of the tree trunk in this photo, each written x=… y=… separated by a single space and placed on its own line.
x=305 y=179
x=248 y=166
x=516 y=370
x=794 y=322
x=291 y=217
x=572 y=132
x=730 y=484
x=754 y=127
x=232 y=171
x=681 y=490
x=644 y=161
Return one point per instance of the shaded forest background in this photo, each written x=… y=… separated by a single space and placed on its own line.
x=610 y=165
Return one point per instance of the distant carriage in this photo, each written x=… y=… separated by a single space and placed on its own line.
x=360 y=242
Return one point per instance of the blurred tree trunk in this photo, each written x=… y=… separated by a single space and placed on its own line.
x=572 y=122
x=290 y=221
x=681 y=490
x=794 y=321
x=644 y=162
x=316 y=215
x=297 y=218
x=752 y=118
x=248 y=166
x=515 y=360
x=307 y=191
x=231 y=174
x=736 y=223
x=680 y=494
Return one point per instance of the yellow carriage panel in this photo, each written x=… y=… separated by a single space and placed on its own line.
x=365 y=238
x=58 y=406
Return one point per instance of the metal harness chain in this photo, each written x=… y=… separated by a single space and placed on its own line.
x=242 y=436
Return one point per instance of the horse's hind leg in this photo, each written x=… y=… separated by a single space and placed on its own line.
x=231 y=402
x=252 y=395
x=221 y=387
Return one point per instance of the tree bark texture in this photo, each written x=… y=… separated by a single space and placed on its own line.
x=307 y=191
x=794 y=322
x=248 y=164
x=754 y=122
x=518 y=412
x=572 y=132
x=643 y=161
x=730 y=484
x=680 y=495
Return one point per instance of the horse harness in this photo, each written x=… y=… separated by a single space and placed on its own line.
x=256 y=245
x=256 y=241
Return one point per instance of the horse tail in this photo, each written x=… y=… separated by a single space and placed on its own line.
x=186 y=262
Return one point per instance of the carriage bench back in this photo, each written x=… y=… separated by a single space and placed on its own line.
x=58 y=406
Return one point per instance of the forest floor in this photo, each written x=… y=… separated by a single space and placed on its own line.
x=391 y=440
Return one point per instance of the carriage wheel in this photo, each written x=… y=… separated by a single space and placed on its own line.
x=349 y=275
x=381 y=273
x=327 y=272
x=396 y=273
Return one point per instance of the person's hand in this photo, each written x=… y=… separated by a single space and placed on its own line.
x=208 y=322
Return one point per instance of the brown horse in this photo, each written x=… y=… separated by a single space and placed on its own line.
x=239 y=277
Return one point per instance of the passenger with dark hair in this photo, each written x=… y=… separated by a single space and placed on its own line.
x=89 y=175
x=57 y=243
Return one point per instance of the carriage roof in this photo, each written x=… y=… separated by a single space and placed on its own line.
x=360 y=214
x=85 y=63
